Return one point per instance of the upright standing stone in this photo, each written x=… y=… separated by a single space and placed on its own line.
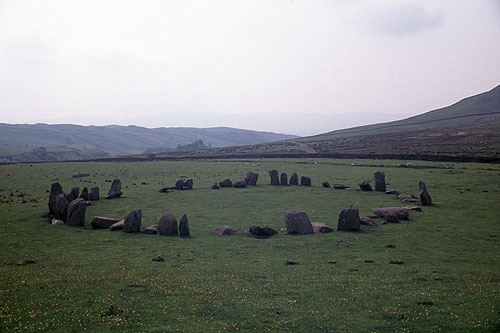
x=55 y=190
x=365 y=186
x=73 y=194
x=294 y=179
x=85 y=194
x=349 y=219
x=273 y=174
x=253 y=179
x=305 y=181
x=62 y=205
x=425 y=198
x=179 y=184
x=76 y=213
x=168 y=224
x=132 y=222
x=297 y=222
x=184 y=226
x=94 y=193
x=248 y=177
x=284 y=179
x=115 y=190
x=379 y=181
x=189 y=184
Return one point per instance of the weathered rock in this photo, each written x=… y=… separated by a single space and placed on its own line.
x=102 y=222
x=188 y=184
x=340 y=186
x=76 y=212
x=284 y=179
x=258 y=230
x=164 y=189
x=184 y=226
x=294 y=179
x=273 y=174
x=392 y=213
x=56 y=222
x=414 y=208
x=365 y=186
x=404 y=196
x=62 y=205
x=248 y=177
x=240 y=184
x=305 y=181
x=412 y=200
x=297 y=222
x=365 y=220
x=391 y=191
x=253 y=179
x=215 y=186
x=94 y=193
x=168 y=225
x=326 y=184
x=379 y=177
x=425 y=198
x=132 y=222
x=225 y=230
x=55 y=190
x=85 y=194
x=151 y=230
x=73 y=194
x=321 y=228
x=349 y=219
x=117 y=226
x=179 y=184
x=115 y=190
x=226 y=183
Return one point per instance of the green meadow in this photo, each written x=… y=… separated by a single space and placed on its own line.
x=67 y=279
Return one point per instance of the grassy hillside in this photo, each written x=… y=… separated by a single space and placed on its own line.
x=467 y=130
x=102 y=281
x=95 y=141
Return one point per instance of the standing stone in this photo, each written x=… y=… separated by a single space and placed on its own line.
x=365 y=186
x=248 y=177
x=132 y=222
x=62 y=205
x=379 y=181
x=226 y=183
x=76 y=213
x=305 y=181
x=94 y=193
x=273 y=174
x=253 y=179
x=349 y=219
x=326 y=184
x=73 y=194
x=184 y=226
x=55 y=190
x=284 y=179
x=168 y=224
x=215 y=186
x=425 y=198
x=116 y=190
x=189 y=184
x=85 y=194
x=297 y=222
x=240 y=184
x=179 y=184
x=102 y=222
x=294 y=179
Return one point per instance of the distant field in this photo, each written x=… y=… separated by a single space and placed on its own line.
x=101 y=281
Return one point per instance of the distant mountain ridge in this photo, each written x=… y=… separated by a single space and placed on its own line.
x=21 y=142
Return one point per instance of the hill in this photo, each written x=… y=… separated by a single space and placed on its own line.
x=468 y=130
x=42 y=142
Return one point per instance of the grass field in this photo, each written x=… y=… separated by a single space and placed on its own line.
x=97 y=280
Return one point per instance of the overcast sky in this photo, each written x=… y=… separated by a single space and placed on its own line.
x=296 y=66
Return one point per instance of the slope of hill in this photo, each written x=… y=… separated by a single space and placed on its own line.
x=41 y=142
x=468 y=130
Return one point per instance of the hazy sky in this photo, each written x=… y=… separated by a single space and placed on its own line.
x=265 y=65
